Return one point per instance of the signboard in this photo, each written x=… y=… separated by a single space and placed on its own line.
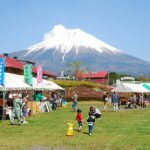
x=39 y=74
x=127 y=78
x=2 y=73
x=28 y=74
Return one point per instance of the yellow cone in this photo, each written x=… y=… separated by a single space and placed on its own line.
x=70 y=129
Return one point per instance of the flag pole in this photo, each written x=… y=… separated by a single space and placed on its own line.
x=3 y=90
x=4 y=109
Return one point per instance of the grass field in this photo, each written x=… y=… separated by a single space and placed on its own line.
x=124 y=130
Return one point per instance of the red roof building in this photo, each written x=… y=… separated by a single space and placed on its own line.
x=13 y=65
x=45 y=73
x=100 y=77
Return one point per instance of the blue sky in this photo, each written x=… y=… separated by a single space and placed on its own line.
x=124 y=24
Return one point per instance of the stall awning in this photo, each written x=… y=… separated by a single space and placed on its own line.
x=129 y=87
x=16 y=82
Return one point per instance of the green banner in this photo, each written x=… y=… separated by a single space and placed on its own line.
x=28 y=74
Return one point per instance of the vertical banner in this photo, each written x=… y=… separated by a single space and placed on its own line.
x=28 y=74
x=2 y=72
x=39 y=74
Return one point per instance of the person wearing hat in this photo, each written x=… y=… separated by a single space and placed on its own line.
x=17 y=108
x=79 y=119
x=75 y=101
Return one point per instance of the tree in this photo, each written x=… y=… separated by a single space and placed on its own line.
x=113 y=76
x=76 y=67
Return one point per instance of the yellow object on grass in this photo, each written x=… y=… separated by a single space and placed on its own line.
x=70 y=129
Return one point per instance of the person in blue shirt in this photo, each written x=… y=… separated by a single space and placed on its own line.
x=115 y=101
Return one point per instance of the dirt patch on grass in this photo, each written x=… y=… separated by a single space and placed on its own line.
x=86 y=93
x=42 y=147
x=39 y=147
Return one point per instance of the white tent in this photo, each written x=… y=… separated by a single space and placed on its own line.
x=14 y=82
x=129 y=87
x=45 y=85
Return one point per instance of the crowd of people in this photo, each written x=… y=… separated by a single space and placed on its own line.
x=16 y=104
x=94 y=113
x=114 y=100
x=47 y=103
x=136 y=100
x=17 y=107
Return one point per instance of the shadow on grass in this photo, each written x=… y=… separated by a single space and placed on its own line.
x=15 y=124
x=81 y=131
x=75 y=129
x=86 y=133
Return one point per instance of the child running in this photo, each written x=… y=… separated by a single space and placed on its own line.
x=90 y=121
x=79 y=119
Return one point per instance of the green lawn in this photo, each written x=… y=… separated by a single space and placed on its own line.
x=124 y=130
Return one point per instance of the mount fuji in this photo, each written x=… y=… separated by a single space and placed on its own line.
x=61 y=46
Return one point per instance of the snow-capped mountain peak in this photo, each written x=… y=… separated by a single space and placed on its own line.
x=64 y=40
x=62 y=46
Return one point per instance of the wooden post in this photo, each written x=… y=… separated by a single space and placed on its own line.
x=4 y=109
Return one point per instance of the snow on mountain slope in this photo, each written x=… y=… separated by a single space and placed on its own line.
x=62 y=46
x=64 y=40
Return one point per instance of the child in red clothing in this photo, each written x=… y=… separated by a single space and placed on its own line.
x=79 y=119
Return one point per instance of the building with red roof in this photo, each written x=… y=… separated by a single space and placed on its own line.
x=99 y=77
x=13 y=65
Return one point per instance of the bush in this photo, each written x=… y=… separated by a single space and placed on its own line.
x=68 y=83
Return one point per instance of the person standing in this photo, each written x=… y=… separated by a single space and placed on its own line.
x=10 y=104
x=115 y=101
x=54 y=101
x=25 y=108
x=141 y=100
x=17 y=108
x=90 y=122
x=105 y=100
x=38 y=96
x=79 y=119
x=75 y=101
x=91 y=110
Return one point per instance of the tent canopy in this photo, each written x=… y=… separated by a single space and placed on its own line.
x=16 y=82
x=46 y=85
x=129 y=87
x=13 y=82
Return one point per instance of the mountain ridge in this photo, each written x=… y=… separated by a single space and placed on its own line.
x=61 y=46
